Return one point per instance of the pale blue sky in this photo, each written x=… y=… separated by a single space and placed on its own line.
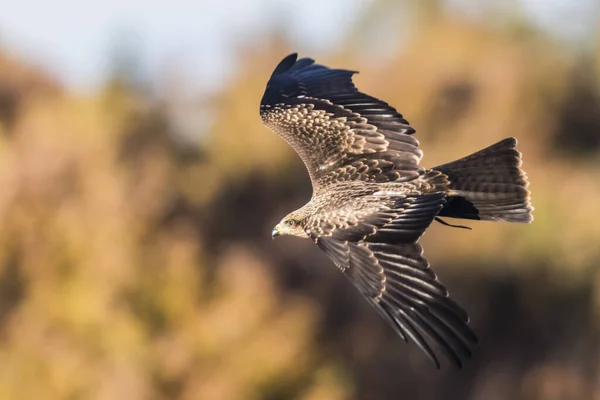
x=72 y=38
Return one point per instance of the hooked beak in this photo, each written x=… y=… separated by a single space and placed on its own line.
x=274 y=233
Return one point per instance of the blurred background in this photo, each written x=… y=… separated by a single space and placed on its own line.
x=138 y=190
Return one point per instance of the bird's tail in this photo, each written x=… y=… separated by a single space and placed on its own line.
x=488 y=185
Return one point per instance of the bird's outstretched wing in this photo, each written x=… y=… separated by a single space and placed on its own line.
x=344 y=135
x=340 y=133
x=380 y=255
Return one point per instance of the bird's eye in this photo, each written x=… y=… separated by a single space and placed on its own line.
x=291 y=222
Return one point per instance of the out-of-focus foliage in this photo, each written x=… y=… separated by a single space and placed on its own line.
x=134 y=265
x=106 y=289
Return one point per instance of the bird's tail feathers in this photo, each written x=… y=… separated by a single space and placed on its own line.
x=488 y=185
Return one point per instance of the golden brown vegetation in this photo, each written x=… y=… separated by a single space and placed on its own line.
x=134 y=266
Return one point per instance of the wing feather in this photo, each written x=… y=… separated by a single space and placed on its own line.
x=380 y=255
x=409 y=295
x=334 y=127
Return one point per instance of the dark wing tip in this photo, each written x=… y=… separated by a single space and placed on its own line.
x=285 y=64
x=291 y=63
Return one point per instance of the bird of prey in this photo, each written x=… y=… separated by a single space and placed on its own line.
x=372 y=200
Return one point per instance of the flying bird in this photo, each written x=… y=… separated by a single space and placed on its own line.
x=372 y=200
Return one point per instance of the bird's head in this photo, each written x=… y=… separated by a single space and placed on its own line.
x=292 y=224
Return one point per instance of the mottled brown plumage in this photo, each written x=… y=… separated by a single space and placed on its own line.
x=372 y=200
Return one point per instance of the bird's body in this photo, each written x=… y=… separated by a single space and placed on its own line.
x=372 y=200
